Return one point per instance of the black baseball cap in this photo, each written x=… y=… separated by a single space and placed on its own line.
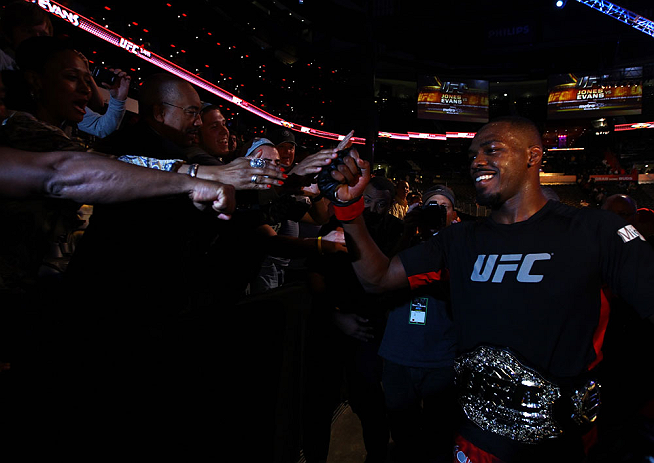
x=438 y=190
x=283 y=135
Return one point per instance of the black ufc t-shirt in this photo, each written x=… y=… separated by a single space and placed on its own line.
x=535 y=286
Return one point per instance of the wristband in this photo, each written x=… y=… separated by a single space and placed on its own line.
x=193 y=170
x=350 y=211
x=320 y=245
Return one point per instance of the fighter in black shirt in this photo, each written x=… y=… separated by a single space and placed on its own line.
x=526 y=296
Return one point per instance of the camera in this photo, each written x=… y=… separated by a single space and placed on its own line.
x=104 y=75
x=433 y=216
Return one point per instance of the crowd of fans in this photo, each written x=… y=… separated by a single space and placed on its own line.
x=153 y=313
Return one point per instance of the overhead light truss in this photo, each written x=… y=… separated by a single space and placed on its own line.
x=630 y=18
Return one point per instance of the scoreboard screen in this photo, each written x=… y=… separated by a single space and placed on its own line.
x=462 y=100
x=616 y=93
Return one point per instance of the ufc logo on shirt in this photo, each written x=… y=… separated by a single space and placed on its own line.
x=498 y=266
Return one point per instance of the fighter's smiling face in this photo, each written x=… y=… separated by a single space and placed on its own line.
x=499 y=158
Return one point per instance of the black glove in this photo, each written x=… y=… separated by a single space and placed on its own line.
x=328 y=185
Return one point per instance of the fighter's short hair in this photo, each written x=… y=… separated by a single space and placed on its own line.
x=522 y=124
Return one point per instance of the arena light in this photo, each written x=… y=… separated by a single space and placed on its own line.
x=560 y=3
x=425 y=136
x=428 y=136
x=394 y=136
x=105 y=34
x=630 y=18
x=634 y=126
x=460 y=134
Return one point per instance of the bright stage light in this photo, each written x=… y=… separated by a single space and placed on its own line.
x=561 y=3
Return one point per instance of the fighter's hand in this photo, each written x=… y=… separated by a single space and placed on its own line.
x=314 y=163
x=347 y=176
x=220 y=197
x=353 y=175
x=241 y=174
x=120 y=88
x=353 y=325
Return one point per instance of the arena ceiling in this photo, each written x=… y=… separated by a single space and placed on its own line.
x=496 y=40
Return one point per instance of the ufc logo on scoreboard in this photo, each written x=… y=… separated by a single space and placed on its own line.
x=454 y=87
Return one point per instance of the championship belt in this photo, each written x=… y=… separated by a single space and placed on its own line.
x=502 y=395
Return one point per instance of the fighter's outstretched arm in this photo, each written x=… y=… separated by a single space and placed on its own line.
x=376 y=272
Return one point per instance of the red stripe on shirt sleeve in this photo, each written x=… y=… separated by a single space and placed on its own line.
x=422 y=279
x=600 y=331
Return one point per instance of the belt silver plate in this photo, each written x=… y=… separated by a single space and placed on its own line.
x=501 y=395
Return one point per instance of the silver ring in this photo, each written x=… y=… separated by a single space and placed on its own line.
x=257 y=163
x=254 y=178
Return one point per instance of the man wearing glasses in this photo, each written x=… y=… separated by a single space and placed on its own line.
x=169 y=121
x=171 y=107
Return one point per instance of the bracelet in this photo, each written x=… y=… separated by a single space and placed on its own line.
x=193 y=170
x=320 y=245
x=169 y=165
x=349 y=211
